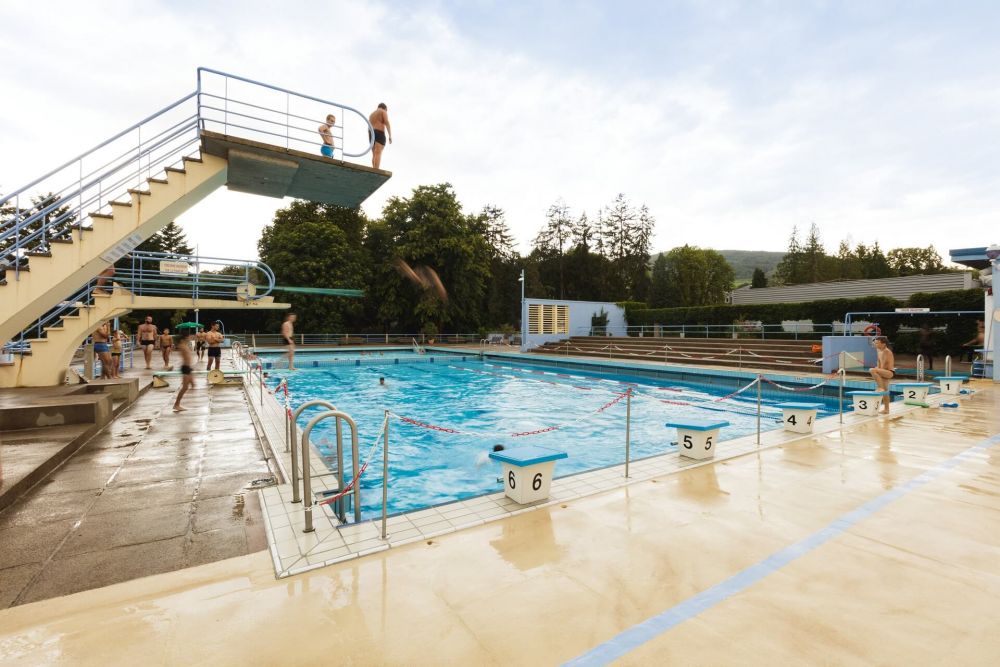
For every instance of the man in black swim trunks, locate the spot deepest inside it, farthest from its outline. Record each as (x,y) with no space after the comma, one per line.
(380,126)
(147,339)
(214,339)
(187,361)
(288,335)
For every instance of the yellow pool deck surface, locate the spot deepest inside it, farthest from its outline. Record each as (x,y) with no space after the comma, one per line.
(878,543)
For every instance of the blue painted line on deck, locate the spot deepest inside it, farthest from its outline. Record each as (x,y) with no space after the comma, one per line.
(637,635)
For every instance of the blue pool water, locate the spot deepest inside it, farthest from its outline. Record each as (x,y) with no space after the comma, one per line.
(488,403)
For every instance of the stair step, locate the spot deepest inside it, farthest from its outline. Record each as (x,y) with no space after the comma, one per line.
(121,203)
(60,240)
(136,191)
(23,269)
(95,214)
(193,159)
(161,181)
(39,253)
(177,170)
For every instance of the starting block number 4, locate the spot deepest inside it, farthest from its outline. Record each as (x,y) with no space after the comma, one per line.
(792,419)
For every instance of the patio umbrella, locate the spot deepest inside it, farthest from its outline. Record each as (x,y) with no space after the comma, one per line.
(189,325)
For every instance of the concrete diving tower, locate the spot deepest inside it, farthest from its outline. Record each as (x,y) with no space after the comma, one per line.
(272,171)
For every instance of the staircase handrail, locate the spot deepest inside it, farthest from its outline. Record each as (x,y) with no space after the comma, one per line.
(88,190)
(144,282)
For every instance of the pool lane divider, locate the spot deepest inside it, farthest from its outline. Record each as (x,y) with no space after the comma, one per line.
(650,629)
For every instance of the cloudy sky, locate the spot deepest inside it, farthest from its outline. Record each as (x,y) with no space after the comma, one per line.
(733,121)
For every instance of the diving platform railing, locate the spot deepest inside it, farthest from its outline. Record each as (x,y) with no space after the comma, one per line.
(166,274)
(57,205)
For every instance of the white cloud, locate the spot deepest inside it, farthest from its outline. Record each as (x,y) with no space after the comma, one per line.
(871,153)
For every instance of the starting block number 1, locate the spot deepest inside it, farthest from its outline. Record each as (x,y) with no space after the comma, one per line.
(688,444)
(791,418)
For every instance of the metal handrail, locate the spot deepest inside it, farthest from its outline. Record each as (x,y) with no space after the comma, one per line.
(292,435)
(371,134)
(307,498)
(84,189)
(141,281)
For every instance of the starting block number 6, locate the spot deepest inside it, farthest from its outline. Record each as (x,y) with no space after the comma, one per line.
(688,444)
(536,481)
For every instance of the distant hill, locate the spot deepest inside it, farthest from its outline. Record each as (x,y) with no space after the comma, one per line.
(745,261)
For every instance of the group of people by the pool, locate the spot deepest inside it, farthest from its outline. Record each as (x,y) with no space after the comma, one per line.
(193,342)
(381,132)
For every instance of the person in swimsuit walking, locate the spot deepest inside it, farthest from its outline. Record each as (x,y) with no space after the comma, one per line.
(326,133)
(199,343)
(380,126)
(187,361)
(166,344)
(288,335)
(884,370)
(103,350)
(117,337)
(214,339)
(147,339)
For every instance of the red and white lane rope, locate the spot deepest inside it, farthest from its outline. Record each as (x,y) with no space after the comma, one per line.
(798,389)
(361,471)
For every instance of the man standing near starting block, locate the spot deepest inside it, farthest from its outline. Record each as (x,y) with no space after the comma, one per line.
(214,339)
(884,370)
(147,339)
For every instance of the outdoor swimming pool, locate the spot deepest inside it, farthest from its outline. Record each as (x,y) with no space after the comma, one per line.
(449,411)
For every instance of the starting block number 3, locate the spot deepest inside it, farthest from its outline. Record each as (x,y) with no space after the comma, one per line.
(689,444)
(536,481)
(791,418)
(862,404)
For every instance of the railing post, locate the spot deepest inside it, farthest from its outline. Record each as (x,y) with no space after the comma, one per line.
(385,472)
(759,383)
(920,368)
(628,428)
(947,365)
(840,393)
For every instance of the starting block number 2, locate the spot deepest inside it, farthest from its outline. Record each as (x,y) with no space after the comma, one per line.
(791,418)
(689,444)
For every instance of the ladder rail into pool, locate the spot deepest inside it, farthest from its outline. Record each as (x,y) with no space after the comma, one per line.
(307,498)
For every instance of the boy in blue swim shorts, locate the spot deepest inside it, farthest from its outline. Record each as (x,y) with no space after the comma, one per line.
(326,132)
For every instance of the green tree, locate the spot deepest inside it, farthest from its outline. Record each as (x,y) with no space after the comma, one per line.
(170,239)
(659,290)
(873,262)
(695,277)
(316,245)
(554,238)
(625,234)
(791,269)
(503,292)
(759,278)
(915,261)
(848,263)
(429,229)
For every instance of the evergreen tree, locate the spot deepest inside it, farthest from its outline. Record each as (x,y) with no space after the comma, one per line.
(625,235)
(790,270)
(848,263)
(170,239)
(758,281)
(555,238)
(812,257)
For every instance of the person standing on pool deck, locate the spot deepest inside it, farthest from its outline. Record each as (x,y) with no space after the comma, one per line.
(116,352)
(288,335)
(326,132)
(166,344)
(103,350)
(199,343)
(380,126)
(147,339)
(884,370)
(187,361)
(214,339)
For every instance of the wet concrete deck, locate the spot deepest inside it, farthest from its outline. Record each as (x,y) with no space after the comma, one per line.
(909,580)
(154,491)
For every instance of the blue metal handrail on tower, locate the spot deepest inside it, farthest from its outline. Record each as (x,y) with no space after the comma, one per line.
(67,195)
(167,274)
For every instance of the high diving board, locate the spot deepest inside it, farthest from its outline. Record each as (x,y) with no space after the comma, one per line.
(273,171)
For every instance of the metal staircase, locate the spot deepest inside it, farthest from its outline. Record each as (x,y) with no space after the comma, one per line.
(62,229)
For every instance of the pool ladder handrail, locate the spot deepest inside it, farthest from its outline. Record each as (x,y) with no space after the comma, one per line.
(306,497)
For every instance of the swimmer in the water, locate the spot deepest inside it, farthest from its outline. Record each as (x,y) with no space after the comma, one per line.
(381,381)
(484,457)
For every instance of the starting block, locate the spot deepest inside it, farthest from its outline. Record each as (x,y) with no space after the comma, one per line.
(697,438)
(952,384)
(527,472)
(914,393)
(866,402)
(799,417)
(214,376)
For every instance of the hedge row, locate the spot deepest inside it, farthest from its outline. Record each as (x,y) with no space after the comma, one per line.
(958,329)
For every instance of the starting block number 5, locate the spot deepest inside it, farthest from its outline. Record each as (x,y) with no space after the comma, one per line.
(688,444)
(791,418)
